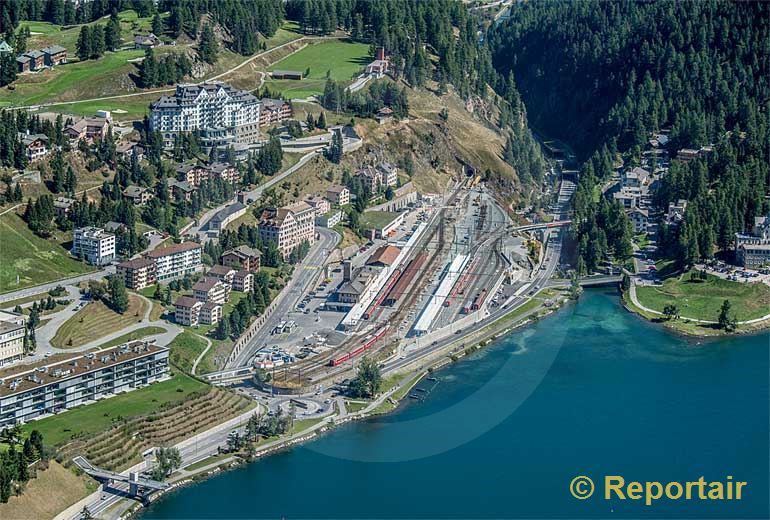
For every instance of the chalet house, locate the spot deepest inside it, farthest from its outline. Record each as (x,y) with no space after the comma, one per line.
(636,178)
(5,48)
(675,213)
(272,111)
(138,194)
(149,41)
(180,189)
(35,146)
(88,128)
(31,61)
(126,150)
(383,115)
(242,257)
(54,55)
(62,206)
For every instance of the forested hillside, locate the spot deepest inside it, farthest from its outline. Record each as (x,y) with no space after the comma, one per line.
(603,75)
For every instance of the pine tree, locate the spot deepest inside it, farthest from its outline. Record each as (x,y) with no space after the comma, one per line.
(84,43)
(157,25)
(208,47)
(97,41)
(112,37)
(118,294)
(71,181)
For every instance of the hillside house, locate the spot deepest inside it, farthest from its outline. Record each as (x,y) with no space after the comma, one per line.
(147,41)
(242,257)
(54,55)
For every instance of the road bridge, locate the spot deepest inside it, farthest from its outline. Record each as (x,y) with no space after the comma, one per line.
(541,225)
(589,281)
(136,483)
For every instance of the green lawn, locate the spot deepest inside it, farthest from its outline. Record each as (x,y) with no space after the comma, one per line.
(207,461)
(341,59)
(71,81)
(93,418)
(33,259)
(702,300)
(376,219)
(356,406)
(123,109)
(185,349)
(304,424)
(287,32)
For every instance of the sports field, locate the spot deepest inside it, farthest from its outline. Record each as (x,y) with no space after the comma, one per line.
(342,60)
(34,259)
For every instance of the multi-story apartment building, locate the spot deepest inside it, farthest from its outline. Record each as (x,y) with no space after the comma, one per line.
(216,107)
(12,327)
(288,226)
(371,178)
(210,313)
(94,245)
(339,195)
(195,174)
(176,260)
(243,281)
(753,249)
(138,273)
(388,174)
(79,380)
(212,290)
(187,310)
(319,204)
(273,111)
(221,272)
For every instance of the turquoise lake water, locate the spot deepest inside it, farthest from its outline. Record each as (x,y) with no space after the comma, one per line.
(591,390)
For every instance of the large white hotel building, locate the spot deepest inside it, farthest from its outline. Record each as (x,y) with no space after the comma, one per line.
(223,114)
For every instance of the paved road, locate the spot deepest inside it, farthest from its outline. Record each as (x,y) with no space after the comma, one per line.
(304,273)
(201,229)
(45,333)
(44,288)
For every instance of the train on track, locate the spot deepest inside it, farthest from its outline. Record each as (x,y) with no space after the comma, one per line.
(369,341)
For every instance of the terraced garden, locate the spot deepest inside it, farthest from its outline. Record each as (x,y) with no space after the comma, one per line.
(122,445)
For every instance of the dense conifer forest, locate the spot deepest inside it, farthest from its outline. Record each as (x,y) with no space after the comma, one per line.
(603,76)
